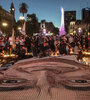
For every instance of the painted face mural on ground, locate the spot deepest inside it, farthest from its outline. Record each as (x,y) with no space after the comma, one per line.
(50,78)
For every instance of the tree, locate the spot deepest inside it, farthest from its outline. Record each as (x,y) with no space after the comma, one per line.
(56,31)
(32,25)
(23,8)
(1,7)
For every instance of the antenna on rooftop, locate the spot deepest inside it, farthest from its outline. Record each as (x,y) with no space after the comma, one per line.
(80,10)
(87,2)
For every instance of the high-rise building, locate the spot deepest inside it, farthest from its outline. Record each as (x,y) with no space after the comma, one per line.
(68,17)
(12,9)
(86,14)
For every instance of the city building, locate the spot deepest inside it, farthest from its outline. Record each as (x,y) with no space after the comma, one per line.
(71,28)
(86,15)
(79,27)
(46,27)
(43,27)
(12,9)
(7,21)
(68,17)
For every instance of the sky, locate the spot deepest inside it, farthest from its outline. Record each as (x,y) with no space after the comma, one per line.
(50,10)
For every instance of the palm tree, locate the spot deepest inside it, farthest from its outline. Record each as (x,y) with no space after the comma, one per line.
(23,8)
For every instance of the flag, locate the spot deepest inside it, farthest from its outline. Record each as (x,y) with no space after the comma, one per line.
(22,31)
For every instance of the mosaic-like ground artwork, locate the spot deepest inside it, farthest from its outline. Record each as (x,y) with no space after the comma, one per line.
(50,78)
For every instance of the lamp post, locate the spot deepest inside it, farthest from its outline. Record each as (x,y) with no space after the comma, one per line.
(21,18)
(80,31)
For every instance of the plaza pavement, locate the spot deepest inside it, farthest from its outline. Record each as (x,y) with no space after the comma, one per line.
(49,78)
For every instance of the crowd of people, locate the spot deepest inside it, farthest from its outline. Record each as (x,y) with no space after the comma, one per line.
(44,45)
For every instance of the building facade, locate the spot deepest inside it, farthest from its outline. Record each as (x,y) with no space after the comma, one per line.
(12,9)
(46,27)
(86,15)
(7,21)
(68,17)
(79,27)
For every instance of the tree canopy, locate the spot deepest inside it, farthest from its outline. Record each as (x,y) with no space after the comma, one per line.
(23,8)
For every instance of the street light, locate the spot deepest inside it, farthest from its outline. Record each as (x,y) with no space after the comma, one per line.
(74,32)
(21,18)
(44,31)
(4,24)
(19,28)
(80,30)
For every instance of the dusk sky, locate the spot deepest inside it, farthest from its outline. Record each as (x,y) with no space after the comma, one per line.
(47,9)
